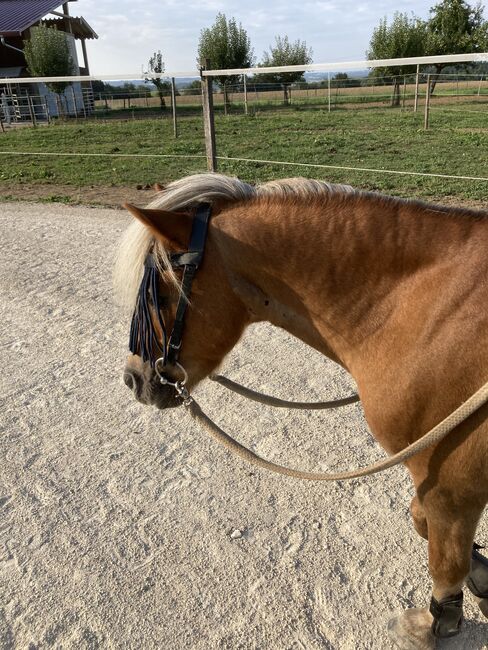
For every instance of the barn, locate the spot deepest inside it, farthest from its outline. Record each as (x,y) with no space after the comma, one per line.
(17,19)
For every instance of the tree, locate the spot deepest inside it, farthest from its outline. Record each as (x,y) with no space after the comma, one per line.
(156,66)
(47,55)
(227,45)
(285,53)
(193,88)
(343,80)
(98,86)
(455,27)
(405,37)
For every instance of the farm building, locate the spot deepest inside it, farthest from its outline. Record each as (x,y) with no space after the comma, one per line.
(17,19)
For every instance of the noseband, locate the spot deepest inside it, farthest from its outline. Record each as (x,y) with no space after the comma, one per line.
(143,340)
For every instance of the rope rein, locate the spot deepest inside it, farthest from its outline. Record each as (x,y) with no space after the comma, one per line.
(269,400)
(434,436)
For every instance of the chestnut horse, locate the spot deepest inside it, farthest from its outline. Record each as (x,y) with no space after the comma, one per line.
(396,291)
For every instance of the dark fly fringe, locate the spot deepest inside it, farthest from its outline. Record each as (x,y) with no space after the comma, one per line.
(143,340)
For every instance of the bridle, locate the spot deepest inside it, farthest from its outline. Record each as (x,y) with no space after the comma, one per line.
(143,339)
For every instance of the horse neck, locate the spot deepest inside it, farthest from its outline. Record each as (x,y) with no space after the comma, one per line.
(329,271)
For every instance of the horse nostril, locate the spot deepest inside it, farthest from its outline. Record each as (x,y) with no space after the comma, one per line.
(130,380)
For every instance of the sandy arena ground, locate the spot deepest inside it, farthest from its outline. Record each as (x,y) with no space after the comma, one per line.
(117,522)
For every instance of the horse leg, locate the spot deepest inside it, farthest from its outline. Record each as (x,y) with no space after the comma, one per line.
(451,528)
(477,580)
(412,629)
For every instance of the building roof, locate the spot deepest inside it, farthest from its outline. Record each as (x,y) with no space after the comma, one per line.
(18,15)
(79,27)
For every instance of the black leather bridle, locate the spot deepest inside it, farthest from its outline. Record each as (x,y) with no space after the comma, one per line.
(143,340)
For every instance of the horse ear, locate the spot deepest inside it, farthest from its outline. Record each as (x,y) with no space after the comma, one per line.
(173,227)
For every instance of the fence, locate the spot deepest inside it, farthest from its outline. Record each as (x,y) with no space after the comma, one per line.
(408,92)
(21,107)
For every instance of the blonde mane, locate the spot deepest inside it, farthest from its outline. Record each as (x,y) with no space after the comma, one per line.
(187,193)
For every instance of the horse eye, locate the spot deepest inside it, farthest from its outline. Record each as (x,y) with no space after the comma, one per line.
(163,301)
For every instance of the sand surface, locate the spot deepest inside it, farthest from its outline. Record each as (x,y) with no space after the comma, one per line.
(117,522)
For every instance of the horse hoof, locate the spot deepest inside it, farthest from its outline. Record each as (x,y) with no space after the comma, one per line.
(411,630)
(483,605)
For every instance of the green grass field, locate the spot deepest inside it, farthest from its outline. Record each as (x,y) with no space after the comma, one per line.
(457,144)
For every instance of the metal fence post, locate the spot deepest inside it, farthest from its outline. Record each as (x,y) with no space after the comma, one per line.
(245,93)
(32,111)
(46,106)
(427,104)
(416,100)
(74,101)
(208,119)
(173,106)
(328,90)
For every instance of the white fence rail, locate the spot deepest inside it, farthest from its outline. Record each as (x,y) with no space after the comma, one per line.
(477,57)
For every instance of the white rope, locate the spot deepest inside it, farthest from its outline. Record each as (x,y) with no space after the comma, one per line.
(357,169)
(110,155)
(456,110)
(252,160)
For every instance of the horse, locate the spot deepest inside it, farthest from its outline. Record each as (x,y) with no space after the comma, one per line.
(394,290)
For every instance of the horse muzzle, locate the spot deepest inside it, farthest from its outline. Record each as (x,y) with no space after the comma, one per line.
(150,391)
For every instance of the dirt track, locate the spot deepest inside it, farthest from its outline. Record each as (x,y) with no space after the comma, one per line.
(116,520)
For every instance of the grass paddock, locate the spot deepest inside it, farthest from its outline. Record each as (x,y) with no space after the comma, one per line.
(455,144)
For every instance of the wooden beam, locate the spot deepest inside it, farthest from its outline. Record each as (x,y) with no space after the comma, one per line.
(67,19)
(85,58)
(208,119)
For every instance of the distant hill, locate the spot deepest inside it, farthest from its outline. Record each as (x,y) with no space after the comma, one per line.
(320,76)
(184,82)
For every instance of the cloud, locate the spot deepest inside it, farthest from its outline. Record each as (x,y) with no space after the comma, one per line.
(131,31)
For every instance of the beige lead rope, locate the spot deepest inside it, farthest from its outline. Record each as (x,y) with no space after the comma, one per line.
(433,436)
(281,403)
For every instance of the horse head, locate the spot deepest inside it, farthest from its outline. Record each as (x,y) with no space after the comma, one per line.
(214,317)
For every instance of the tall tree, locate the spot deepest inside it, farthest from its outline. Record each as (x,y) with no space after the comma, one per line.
(455,27)
(47,55)
(285,53)
(404,37)
(227,45)
(156,65)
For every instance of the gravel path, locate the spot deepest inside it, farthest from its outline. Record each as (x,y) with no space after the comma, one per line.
(118,523)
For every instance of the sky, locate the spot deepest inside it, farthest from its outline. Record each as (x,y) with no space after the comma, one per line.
(131,30)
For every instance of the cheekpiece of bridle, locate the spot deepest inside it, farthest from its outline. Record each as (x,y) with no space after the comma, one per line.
(143,340)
